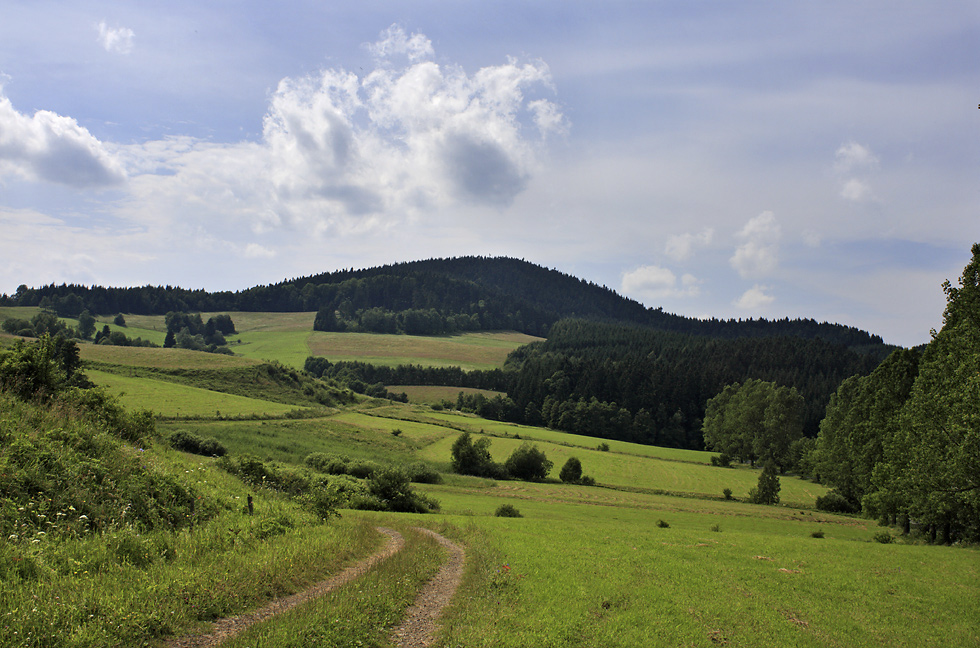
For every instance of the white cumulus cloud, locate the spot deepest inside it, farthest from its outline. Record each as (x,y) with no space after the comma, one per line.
(51,147)
(117,40)
(754,298)
(681,247)
(758,255)
(654,282)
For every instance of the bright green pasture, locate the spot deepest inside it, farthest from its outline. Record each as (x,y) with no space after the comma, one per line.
(288,347)
(645,473)
(173,400)
(435,394)
(18,312)
(585,575)
(483,350)
(289,441)
(475,423)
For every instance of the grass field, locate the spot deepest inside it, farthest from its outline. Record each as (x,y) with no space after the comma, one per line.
(583,575)
(174,400)
(486,350)
(160,358)
(651,556)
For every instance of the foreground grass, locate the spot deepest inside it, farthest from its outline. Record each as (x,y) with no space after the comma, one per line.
(127,588)
(586,575)
(361,613)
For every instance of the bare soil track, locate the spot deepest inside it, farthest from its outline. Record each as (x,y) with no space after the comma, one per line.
(416,631)
(418,628)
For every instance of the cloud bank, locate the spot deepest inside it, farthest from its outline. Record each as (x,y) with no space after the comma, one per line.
(53,148)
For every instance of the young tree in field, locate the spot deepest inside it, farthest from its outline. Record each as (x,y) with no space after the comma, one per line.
(767,490)
(86,325)
(571,472)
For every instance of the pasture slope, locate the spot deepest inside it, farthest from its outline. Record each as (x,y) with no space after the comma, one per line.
(654,554)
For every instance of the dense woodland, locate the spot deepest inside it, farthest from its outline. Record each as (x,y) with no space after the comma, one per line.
(633,383)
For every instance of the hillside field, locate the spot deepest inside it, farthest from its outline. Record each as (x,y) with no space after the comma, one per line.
(653,554)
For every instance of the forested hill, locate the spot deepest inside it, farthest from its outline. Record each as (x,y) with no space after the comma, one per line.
(439,296)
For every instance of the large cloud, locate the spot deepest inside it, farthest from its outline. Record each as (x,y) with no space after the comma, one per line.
(408,135)
(51,147)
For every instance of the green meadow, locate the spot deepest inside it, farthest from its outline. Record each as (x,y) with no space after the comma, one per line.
(482,350)
(652,555)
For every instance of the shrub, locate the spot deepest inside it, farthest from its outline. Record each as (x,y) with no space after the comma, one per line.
(603,447)
(323,502)
(396,432)
(727,493)
(422,473)
(571,472)
(834,502)
(189,442)
(721,461)
(269,527)
(362,469)
(528,463)
(663,524)
(817,534)
(507,510)
(392,488)
(884,537)
(325,463)
(716,528)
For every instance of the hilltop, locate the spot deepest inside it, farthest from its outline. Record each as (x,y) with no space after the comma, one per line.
(440,296)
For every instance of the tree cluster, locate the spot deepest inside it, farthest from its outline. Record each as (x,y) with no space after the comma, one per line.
(526,463)
(189,331)
(903,444)
(755,421)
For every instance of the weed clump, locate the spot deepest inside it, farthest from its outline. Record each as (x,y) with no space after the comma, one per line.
(817,534)
(507,510)
(663,524)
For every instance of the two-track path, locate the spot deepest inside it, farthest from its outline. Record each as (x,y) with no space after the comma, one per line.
(416,631)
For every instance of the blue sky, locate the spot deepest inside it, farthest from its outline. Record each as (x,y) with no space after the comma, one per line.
(718,159)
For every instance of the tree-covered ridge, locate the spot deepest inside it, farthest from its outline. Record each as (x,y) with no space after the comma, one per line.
(442,295)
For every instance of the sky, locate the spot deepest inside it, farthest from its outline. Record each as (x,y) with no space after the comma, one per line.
(715,159)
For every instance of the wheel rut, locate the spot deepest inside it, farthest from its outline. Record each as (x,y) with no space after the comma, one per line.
(228,627)
(419,626)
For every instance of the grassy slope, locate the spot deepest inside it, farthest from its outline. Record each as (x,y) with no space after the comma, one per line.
(590,566)
(174,400)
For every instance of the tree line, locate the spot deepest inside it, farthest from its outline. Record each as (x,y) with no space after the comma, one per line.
(903,443)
